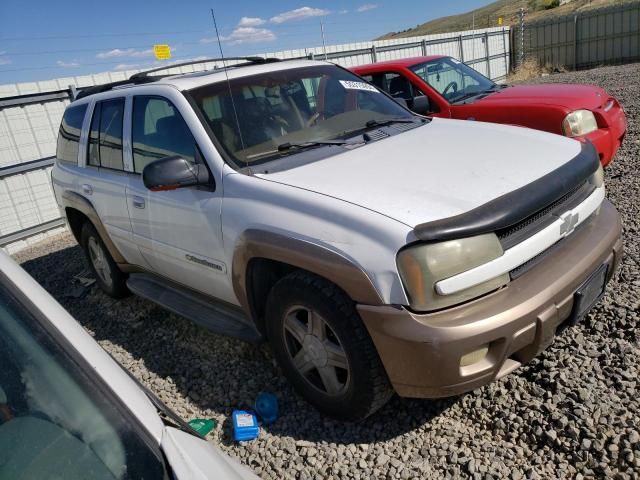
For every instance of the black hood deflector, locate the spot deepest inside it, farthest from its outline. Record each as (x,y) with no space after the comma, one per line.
(513,207)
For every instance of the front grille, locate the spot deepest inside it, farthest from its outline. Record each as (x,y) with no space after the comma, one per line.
(529,264)
(515,234)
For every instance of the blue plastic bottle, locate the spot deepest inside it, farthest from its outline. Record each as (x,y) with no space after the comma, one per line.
(245,425)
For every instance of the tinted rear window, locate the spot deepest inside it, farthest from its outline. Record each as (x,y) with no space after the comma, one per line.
(69,134)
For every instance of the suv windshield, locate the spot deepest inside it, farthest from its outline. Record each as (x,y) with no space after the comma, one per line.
(56,419)
(298,106)
(453,79)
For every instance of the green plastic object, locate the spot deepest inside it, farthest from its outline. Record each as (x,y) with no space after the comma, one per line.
(202,425)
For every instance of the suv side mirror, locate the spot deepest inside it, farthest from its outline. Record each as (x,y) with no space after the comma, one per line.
(171,173)
(421,105)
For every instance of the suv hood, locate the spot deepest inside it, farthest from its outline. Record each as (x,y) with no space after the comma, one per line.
(572,97)
(435,171)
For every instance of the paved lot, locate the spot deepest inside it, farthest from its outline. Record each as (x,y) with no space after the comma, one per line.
(573,412)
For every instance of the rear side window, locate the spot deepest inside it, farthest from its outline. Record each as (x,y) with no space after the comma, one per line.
(69,134)
(105,135)
(159,131)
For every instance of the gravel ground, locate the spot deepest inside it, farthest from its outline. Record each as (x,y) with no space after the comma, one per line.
(574,412)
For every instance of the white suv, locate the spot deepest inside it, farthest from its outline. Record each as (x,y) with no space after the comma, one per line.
(376,250)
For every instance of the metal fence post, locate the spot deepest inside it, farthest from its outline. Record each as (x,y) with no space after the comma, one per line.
(424,47)
(521,56)
(486,51)
(460,47)
(504,54)
(374,57)
(575,41)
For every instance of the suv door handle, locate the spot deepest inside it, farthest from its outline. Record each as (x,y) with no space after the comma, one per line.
(138,202)
(86,188)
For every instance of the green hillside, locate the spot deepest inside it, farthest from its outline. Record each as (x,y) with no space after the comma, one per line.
(488,15)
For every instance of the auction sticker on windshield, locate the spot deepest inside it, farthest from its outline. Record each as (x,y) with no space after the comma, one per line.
(351,85)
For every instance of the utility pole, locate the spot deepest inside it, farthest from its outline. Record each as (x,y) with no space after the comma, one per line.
(324,45)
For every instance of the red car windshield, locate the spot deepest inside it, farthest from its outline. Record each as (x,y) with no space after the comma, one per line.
(452,79)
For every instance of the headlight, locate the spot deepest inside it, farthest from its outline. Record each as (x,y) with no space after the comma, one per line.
(423,265)
(579,123)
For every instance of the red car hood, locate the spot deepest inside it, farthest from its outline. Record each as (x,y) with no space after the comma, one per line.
(569,96)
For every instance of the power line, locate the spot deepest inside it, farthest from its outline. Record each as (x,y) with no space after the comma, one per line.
(98,35)
(225,29)
(148,46)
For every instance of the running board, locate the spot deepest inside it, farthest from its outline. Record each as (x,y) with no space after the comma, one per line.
(217,317)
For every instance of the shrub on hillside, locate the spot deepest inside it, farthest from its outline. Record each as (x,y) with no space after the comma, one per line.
(543,4)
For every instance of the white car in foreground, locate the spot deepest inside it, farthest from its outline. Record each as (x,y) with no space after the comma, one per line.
(69,411)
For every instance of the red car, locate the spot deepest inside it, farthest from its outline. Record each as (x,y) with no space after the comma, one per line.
(444,87)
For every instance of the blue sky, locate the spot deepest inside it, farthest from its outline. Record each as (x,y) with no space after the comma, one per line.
(44,39)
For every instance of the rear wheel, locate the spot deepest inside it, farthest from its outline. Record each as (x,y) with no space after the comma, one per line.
(109,277)
(324,349)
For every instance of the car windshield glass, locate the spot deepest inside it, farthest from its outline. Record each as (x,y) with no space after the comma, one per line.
(55,421)
(292,106)
(452,79)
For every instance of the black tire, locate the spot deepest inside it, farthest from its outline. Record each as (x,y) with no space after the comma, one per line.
(360,389)
(111,280)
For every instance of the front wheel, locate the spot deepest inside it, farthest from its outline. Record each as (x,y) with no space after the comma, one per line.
(324,348)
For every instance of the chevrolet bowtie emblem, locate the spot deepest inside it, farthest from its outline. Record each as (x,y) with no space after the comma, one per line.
(569,222)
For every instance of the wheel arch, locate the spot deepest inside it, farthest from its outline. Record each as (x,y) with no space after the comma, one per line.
(78,210)
(261,258)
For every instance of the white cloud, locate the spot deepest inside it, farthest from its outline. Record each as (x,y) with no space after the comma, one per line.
(70,64)
(366,7)
(242,35)
(343,12)
(127,52)
(251,22)
(299,14)
(3,59)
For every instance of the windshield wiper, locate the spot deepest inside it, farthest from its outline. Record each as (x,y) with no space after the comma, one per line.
(471,95)
(168,416)
(494,88)
(388,121)
(283,147)
(311,143)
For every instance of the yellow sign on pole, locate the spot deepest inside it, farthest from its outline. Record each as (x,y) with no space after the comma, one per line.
(499,20)
(162,52)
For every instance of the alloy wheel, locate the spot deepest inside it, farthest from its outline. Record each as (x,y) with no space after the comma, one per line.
(316,351)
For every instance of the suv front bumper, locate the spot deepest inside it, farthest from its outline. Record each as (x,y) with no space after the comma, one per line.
(422,352)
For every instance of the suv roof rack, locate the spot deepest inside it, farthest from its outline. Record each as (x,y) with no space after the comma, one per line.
(249,60)
(85,92)
(145,77)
